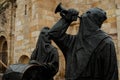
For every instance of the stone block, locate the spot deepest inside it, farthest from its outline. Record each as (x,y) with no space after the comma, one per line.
(96,0)
(106,27)
(118,12)
(18,43)
(112,31)
(35,33)
(89,1)
(110,12)
(82,8)
(111,19)
(20,37)
(114,25)
(118,30)
(117,2)
(95,4)
(118,6)
(33,28)
(118,18)
(18,23)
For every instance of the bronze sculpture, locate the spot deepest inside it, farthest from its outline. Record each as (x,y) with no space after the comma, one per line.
(89,55)
(43,64)
(46,56)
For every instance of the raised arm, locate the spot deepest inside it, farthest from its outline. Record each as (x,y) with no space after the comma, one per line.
(58,31)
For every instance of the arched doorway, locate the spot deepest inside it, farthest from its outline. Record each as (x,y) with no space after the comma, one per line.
(24,59)
(3,54)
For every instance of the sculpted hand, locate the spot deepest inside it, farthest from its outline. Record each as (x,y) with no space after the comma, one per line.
(70,15)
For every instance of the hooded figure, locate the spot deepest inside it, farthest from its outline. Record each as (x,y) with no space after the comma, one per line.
(90,54)
(46,56)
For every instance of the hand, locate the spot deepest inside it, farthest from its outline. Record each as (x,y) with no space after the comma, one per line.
(70,15)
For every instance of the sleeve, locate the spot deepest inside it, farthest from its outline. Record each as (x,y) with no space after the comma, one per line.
(51,68)
(58,34)
(34,54)
(110,69)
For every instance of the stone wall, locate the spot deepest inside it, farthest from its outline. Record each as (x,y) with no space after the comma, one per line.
(6,29)
(33,15)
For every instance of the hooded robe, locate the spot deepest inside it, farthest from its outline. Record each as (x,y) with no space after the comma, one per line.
(46,56)
(90,54)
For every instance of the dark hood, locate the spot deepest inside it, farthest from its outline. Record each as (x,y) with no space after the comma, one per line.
(89,36)
(91,21)
(43,47)
(90,24)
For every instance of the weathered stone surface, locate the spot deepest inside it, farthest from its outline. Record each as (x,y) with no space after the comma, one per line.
(31,16)
(118,12)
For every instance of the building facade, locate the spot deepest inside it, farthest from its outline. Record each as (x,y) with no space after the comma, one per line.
(22,20)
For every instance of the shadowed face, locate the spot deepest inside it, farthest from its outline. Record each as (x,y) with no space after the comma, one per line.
(44,34)
(96,15)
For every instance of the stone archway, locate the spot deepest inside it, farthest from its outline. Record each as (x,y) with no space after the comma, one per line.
(3,54)
(24,59)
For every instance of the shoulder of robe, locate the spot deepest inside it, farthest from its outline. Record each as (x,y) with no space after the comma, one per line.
(108,40)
